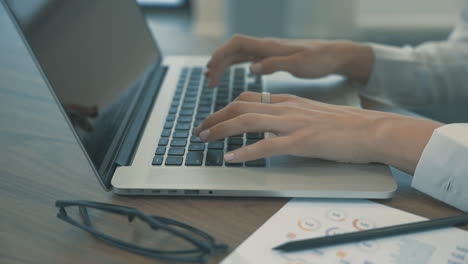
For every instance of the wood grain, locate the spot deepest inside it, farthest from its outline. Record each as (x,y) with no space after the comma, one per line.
(40,163)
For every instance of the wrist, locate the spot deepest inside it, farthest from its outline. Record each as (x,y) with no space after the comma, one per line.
(355,60)
(400,140)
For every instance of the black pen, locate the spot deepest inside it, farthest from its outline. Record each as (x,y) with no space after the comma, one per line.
(372,233)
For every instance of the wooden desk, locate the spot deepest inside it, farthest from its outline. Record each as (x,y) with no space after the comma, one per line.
(41,163)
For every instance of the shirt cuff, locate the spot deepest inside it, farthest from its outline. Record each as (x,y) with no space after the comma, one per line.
(442,171)
(389,69)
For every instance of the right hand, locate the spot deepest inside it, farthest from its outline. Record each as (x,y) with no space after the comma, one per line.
(308,128)
(302,58)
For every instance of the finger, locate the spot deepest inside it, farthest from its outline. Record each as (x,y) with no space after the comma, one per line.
(286,99)
(233,110)
(214,74)
(244,46)
(257,97)
(263,148)
(250,122)
(277,63)
(248,46)
(217,72)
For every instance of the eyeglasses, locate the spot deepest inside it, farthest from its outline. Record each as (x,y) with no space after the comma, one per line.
(196,247)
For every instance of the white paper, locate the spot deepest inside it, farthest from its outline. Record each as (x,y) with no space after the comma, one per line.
(308,218)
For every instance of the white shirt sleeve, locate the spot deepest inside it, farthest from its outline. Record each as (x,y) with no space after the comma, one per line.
(434,72)
(442,171)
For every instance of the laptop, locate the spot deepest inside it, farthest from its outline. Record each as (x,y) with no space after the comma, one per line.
(133,110)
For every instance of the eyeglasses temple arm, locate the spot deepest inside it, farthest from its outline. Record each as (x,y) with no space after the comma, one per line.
(85,216)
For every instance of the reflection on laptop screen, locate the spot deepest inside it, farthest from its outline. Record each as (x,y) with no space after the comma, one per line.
(95,54)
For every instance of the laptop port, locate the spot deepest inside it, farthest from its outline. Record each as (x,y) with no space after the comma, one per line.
(172,192)
(191,192)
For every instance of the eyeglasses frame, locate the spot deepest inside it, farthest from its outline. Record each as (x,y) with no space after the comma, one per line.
(205,248)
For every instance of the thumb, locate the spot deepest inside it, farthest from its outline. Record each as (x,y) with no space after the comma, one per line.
(274,64)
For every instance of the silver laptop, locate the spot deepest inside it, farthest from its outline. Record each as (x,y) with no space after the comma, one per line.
(133,110)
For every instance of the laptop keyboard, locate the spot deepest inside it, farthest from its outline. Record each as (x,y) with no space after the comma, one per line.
(192,103)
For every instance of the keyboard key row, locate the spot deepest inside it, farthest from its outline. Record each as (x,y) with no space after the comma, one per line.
(195,158)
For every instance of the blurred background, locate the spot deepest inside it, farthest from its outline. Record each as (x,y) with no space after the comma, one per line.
(198,26)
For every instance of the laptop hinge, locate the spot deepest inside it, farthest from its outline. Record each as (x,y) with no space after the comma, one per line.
(138,121)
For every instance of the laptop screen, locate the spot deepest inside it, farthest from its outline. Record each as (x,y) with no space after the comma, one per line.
(96,55)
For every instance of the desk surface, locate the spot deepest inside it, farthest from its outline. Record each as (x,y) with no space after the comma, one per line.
(41,163)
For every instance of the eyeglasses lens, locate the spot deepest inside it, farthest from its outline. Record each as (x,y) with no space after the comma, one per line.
(136,232)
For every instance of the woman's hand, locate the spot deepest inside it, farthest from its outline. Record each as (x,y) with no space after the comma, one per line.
(302,58)
(313,129)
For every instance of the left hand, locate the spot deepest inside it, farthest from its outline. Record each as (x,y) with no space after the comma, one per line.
(312,129)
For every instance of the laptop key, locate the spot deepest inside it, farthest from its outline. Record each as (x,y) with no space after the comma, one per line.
(174,160)
(205,103)
(195,139)
(171,117)
(173,110)
(218,107)
(256,163)
(178,142)
(191,93)
(255,135)
(166,133)
(238,89)
(222,102)
(237,164)
(168,125)
(253,87)
(233,147)
(160,150)
(214,157)
(185,119)
(197,122)
(182,126)
(251,141)
(186,112)
(206,98)
(176,151)
(216,145)
(197,147)
(157,160)
(235,141)
(194,158)
(163,141)
(190,100)
(180,134)
(204,109)
(202,116)
(188,105)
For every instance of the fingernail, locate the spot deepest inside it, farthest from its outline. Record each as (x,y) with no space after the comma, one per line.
(204,134)
(229,157)
(256,68)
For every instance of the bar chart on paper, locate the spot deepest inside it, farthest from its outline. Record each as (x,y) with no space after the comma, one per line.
(309,218)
